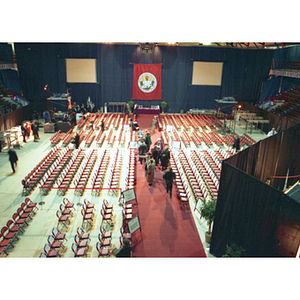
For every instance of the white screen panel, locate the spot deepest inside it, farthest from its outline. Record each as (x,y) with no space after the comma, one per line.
(207,73)
(81,70)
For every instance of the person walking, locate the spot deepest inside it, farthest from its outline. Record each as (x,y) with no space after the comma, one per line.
(13,158)
(24,133)
(165,157)
(236,144)
(169,177)
(150,171)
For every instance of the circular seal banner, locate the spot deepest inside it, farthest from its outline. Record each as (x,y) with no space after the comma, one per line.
(147,82)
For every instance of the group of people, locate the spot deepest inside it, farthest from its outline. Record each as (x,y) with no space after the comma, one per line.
(26,130)
(157,157)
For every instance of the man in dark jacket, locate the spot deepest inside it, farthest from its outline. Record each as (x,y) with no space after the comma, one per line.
(13,158)
(169,177)
(142,151)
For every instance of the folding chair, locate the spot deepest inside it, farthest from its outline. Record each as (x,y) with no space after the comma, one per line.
(78,252)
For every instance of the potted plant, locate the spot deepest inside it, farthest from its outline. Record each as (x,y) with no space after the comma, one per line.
(234,250)
(163,105)
(207,211)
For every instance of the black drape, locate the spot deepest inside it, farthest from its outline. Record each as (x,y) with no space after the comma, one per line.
(44,63)
(257,216)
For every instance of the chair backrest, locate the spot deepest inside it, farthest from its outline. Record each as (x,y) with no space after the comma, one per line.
(27,200)
(19,211)
(58,213)
(23,205)
(55,231)
(62,207)
(42,255)
(9,223)
(50,239)
(98,246)
(65,200)
(47,248)
(15,217)
(76,239)
(74,247)
(80,231)
(100,237)
(3,230)
(83,212)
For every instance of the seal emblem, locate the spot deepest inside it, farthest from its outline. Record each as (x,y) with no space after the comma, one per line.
(147,82)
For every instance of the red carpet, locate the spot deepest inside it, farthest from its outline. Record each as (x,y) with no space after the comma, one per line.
(167,229)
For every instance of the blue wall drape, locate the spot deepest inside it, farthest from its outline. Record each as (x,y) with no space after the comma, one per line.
(44,63)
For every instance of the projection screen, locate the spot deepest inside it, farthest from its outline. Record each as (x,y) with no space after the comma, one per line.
(207,73)
(81,70)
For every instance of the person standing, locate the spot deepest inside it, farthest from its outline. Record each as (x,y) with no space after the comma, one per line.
(24,133)
(169,177)
(150,171)
(153,123)
(236,144)
(77,141)
(142,151)
(272,132)
(148,139)
(165,157)
(13,158)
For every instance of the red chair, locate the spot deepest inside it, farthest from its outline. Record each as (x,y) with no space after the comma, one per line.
(125,235)
(61,218)
(65,211)
(81,243)
(68,204)
(89,204)
(102,251)
(30,204)
(18,220)
(27,210)
(86,217)
(105,234)
(13,227)
(4,243)
(82,234)
(53,243)
(104,242)
(50,252)
(22,214)
(7,235)
(58,236)
(107,205)
(106,217)
(78,252)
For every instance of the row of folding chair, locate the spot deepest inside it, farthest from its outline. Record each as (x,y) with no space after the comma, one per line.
(97,178)
(57,139)
(55,169)
(213,163)
(130,178)
(117,168)
(67,175)
(69,136)
(14,226)
(191,173)
(55,135)
(64,212)
(89,138)
(84,172)
(34,177)
(55,242)
(208,178)
(181,188)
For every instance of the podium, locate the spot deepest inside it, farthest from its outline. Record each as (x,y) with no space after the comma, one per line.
(49,128)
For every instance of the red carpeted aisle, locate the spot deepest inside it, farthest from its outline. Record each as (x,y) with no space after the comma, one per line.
(167,229)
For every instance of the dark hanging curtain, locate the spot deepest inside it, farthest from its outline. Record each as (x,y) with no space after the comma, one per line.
(44,63)
(250,212)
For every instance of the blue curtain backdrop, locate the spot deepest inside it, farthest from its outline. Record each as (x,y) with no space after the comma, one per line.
(244,70)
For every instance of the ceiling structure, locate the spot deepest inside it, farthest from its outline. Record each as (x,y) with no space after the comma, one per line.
(243,45)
